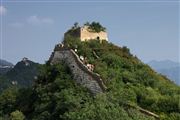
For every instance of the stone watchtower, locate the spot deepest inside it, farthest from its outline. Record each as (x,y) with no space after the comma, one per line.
(84,33)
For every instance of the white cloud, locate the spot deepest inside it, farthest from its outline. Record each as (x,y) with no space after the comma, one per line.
(36,20)
(3,10)
(32,20)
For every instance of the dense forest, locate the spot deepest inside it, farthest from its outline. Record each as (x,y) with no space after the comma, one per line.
(130,84)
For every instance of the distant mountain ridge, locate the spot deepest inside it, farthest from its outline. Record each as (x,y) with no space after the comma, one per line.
(5,66)
(164,64)
(167,67)
(22,74)
(5,63)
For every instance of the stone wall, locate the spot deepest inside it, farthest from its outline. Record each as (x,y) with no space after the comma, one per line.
(80,72)
(86,35)
(83,76)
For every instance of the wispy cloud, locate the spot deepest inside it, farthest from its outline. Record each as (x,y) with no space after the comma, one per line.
(3,10)
(32,20)
(36,20)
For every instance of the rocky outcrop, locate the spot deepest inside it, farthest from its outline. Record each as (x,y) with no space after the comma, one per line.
(80,72)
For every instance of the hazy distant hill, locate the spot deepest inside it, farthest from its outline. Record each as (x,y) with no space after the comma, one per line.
(5,66)
(21,75)
(169,68)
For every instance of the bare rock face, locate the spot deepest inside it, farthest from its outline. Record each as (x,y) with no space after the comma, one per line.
(80,72)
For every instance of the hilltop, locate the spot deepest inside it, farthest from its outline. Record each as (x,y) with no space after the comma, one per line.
(133,91)
(22,74)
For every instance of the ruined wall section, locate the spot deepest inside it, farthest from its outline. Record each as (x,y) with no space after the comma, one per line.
(80,72)
(87,35)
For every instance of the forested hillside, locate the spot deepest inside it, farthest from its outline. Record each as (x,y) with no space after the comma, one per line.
(22,74)
(130,84)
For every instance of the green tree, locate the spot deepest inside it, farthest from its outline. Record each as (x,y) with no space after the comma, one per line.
(96,27)
(17,115)
(76,25)
(8,100)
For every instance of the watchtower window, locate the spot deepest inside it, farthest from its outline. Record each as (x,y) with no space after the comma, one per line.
(98,38)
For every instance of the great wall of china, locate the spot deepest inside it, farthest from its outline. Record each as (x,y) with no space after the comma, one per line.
(82,75)
(80,72)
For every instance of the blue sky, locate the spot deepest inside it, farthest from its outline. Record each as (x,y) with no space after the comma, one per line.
(31,29)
